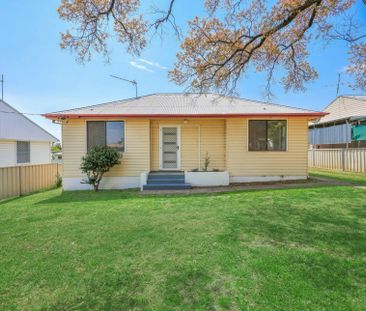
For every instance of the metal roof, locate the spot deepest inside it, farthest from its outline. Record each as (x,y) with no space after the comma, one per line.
(16,126)
(360,97)
(183,105)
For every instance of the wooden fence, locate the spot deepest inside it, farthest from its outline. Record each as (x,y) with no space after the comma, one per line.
(353,159)
(19,180)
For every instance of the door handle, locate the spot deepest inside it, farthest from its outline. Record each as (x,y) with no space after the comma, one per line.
(177,147)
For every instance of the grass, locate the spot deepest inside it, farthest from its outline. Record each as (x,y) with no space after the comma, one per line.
(289,249)
(353,178)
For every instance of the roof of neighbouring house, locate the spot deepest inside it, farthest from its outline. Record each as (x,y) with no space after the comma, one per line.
(344,107)
(184,105)
(16,126)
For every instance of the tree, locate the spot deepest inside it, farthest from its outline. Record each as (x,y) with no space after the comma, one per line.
(98,161)
(236,36)
(56,147)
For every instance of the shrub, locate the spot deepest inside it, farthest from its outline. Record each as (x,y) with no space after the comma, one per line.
(98,161)
(207,162)
(58,181)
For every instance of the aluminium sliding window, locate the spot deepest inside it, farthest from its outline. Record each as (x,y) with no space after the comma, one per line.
(267,135)
(106,133)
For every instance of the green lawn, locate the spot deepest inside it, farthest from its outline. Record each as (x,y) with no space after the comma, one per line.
(354,178)
(296,249)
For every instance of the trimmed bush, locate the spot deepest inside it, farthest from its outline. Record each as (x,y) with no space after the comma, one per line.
(98,161)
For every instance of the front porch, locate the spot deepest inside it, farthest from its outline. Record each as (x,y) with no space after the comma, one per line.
(166,180)
(178,151)
(183,144)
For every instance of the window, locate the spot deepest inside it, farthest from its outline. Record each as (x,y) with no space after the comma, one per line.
(106,133)
(267,135)
(23,152)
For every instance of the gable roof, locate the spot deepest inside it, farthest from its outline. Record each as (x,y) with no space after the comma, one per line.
(16,126)
(345,107)
(183,105)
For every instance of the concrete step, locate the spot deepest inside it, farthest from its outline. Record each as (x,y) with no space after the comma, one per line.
(166,176)
(166,173)
(165,180)
(168,186)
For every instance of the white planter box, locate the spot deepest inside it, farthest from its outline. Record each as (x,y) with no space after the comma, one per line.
(202,179)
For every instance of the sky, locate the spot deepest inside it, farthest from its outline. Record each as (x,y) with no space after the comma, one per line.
(40,77)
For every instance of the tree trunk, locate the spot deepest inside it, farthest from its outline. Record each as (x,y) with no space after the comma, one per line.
(96,187)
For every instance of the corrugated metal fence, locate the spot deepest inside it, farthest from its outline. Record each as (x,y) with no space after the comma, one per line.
(19,180)
(353,159)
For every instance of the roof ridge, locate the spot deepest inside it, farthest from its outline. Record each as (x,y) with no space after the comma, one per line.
(359,97)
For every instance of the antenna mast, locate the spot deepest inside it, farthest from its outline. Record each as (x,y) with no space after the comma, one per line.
(339,82)
(2,87)
(129,81)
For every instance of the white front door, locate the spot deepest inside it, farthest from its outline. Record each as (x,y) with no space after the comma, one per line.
(170,147)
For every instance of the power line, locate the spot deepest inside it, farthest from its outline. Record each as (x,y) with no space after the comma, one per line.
(26,113)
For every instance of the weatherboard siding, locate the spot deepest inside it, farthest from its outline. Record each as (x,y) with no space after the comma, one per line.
(135,160)
(225,142)
(241,162)
(198,137)
(8,154)
(213,144)
(40,153)
(73,146)
(344,107)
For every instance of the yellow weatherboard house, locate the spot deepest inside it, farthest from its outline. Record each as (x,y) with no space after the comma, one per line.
(175,141)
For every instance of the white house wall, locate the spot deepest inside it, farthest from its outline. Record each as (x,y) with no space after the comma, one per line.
(7,153)
(40,153)
(344,107)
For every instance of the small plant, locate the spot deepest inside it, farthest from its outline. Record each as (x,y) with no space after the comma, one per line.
(216,170)
(98,161)
(195,170)
(58,181)
(207,162)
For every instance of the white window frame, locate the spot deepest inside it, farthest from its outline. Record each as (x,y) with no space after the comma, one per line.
(268,119)
(112,120)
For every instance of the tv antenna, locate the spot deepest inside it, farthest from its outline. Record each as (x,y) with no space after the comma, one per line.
(129,81)
(338,84)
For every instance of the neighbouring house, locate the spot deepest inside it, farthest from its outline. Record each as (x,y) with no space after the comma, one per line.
(166,139)
(343,127)
(21,140)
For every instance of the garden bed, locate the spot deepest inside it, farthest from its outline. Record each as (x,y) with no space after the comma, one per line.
(207,178)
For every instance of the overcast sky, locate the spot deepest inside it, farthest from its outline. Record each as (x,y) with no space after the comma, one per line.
(40,77)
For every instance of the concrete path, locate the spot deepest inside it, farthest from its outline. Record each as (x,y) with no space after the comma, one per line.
(313,182)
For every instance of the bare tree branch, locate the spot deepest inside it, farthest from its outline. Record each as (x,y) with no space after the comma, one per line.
(237,36)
